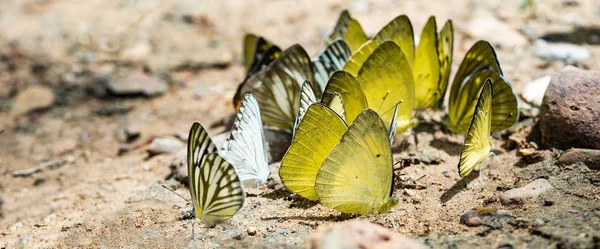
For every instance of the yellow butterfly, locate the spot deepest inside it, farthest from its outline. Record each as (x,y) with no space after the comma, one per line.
(349,30)
(353,98)
(356,176)
(386,79)
(477,142)
(480,63)
(430,62)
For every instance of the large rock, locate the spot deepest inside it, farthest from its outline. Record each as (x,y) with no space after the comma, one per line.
(32,98)
(591,158)
(570,111)
(532,190)
(359,234)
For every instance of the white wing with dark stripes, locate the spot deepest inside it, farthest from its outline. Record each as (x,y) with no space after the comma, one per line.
(215,187)
(331,59)
(307,98)
(245,148)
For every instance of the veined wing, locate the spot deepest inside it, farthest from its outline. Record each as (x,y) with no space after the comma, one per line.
(426,68)
(349,89)
(320,130)
(359,57)
(245,148)
(307,98)
(445,53)
(342,183)
(477,142)
(348,29)
(337,105)
(400,31)
(331,59)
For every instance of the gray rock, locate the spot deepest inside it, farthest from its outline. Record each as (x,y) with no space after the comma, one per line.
(570,111)
(518,196)
(591,158)
(561,51)
(137,83)
(31,99)
(359,234)
(168,145)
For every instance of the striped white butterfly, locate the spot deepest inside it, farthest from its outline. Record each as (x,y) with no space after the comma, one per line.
(331,59)
(307,98)
(216,190)
(245,148)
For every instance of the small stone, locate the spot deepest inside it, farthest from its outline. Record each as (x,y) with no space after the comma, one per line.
(485,26)
(591,158)
(531,156)
(15,227)
(561,51)
(31,99)
(138,52)
(532,190)
(431,157)
(251,231)
(359,234)
(137,83)
(534,91)
(479,216)
(570,111)
(168,145)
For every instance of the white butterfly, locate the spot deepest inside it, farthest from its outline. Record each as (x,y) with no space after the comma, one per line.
(245,148)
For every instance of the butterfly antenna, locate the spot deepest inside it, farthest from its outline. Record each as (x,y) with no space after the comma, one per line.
(383,99)
(503,121)
(172,191)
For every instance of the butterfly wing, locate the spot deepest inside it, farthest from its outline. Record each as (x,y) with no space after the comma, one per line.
(337,105)
(349,89)
(386,79)
(277,88)
(426,69)
(504,104)
(307,98)
(245,148)
(357,174)
(359,57)
(445,53)
(331,59)
(214,185)
(400,31)
(393,125)
(320,130)
(348,29)
(477,142)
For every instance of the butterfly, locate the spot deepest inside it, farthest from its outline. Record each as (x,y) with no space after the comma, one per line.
(331,59)
(349,30)
(356,175)
(385,79)
(215,187)
(480,63)
(277,87)
(430,62)
(258,52)
(307,98)
(246,148)
(476,147)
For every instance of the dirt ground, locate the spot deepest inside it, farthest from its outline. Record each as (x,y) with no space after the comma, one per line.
(101,199)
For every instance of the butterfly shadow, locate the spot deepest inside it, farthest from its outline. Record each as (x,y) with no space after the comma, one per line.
(450,147)
(459,186)
(334,218)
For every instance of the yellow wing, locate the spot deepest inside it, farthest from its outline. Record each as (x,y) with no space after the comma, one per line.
(360,56)
(356,176)
(399,31)
(386,79)
(426,70)
(320,130)
(354,100)
(331,59)
(337,105)
(445,53)
(348,29)
(277,87)
(255,47)
(505,110)
(479,57)
(477,142)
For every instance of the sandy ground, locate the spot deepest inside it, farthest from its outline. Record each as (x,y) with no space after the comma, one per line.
(100,199)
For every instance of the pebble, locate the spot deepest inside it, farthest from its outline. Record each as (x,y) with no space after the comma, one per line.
(478,216)
(31,99)
(137,83)
(518,196)
(168,145)
(534,91)
(251,231)
(561,51)
(485,26)
(359,234)
(591,158)
(570,110)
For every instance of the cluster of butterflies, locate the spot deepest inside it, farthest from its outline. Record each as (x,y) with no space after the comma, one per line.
(344,108)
